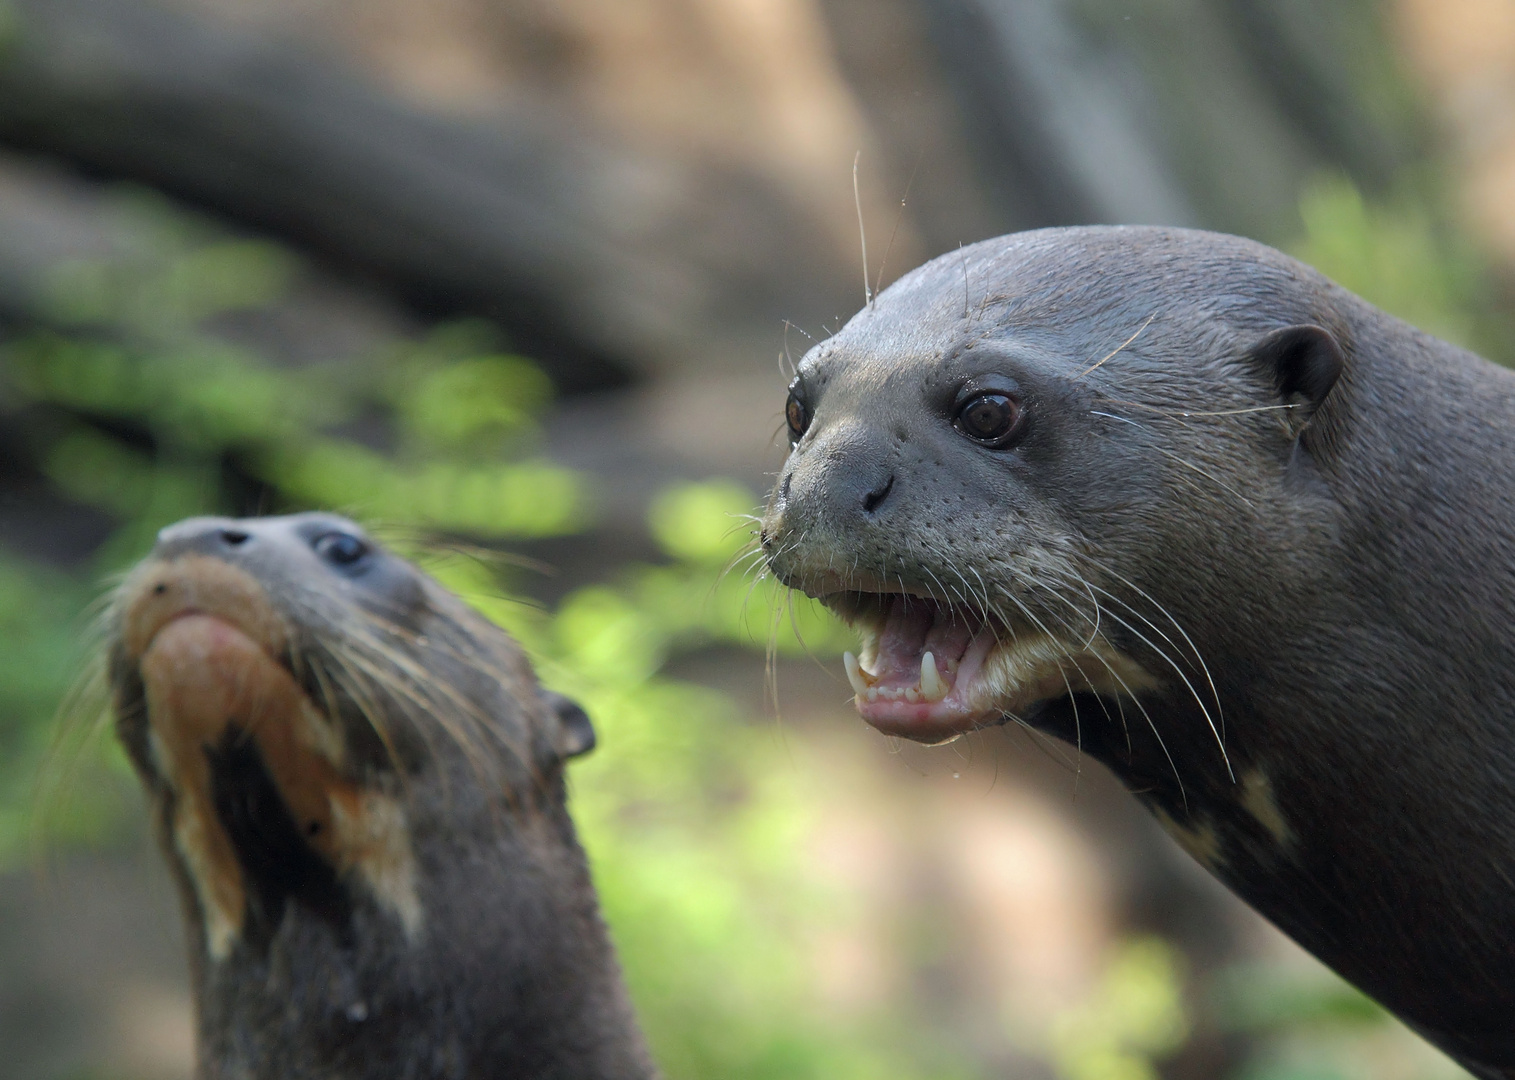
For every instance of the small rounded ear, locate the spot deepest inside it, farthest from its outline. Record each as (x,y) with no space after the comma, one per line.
(1303,361)
(574,734)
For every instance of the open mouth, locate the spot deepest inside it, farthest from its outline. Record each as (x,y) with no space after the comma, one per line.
(929,671)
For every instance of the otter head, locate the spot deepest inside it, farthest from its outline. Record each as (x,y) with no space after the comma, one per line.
(1013,471)
(359,785)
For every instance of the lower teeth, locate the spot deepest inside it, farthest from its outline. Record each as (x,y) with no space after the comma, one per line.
(931,688)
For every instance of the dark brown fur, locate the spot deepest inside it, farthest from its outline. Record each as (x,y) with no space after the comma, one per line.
(451,930)
(1318,572)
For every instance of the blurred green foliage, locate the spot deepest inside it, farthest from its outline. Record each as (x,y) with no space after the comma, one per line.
(1402,256)
(1250,997)
(125,400)
(1136,1014)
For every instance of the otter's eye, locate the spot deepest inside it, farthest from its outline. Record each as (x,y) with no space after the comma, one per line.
(798,415)
(989,418)
(339,548)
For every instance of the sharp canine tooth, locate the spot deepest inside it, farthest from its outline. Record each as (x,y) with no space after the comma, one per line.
(855,673)
(932,687)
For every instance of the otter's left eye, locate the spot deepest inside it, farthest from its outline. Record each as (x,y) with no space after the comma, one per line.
(340,548)
(989,418)
(797,413)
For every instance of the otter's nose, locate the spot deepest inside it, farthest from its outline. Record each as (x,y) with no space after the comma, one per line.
(856,490)
(202,536)
(875,496)
(844,480)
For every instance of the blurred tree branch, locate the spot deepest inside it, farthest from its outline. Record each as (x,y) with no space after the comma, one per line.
(547,229)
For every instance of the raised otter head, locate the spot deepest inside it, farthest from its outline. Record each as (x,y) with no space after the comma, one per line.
(359,786)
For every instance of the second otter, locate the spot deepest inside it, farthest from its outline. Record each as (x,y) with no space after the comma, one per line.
(1242,537)
(359,787)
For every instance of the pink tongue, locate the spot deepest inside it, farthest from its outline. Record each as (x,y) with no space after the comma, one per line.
(913,627)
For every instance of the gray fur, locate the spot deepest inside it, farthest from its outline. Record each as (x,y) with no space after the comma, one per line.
(1342,571)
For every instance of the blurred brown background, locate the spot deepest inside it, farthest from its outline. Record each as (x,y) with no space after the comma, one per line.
(653,200)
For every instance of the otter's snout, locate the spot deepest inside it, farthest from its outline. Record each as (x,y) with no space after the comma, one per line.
(838,492)
(214,536)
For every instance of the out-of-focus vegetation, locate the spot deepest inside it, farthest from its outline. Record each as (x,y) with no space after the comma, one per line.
(1136,1014)
(1404,257)
(694,815)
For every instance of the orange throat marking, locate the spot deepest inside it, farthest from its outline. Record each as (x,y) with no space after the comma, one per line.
(202,675)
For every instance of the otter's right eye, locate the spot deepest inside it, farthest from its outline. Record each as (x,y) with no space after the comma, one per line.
(989,418)
(339,548)
(797,413)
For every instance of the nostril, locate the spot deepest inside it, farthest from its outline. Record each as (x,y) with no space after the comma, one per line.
(784,486)
(233,537)
(872,500)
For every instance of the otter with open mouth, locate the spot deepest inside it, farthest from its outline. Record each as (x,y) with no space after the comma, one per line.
(1245,539)
(359,787)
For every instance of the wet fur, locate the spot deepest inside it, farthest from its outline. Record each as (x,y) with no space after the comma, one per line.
(1322,588)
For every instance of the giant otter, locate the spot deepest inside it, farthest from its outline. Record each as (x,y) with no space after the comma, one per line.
(359,787)
(1250,542)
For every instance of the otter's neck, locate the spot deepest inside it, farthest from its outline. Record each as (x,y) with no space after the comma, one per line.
(1375,826)
(507,972)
